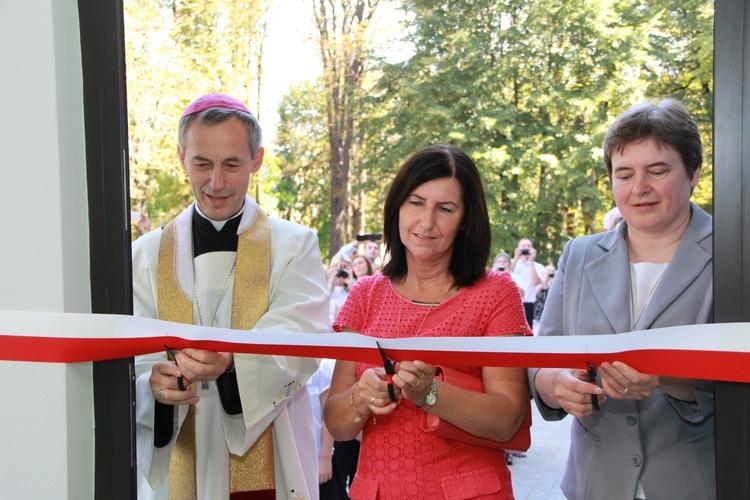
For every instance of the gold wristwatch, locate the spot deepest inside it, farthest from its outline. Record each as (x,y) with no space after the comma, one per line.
(431,398)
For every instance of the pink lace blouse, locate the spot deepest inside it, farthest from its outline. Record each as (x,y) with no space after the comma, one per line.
(398,460)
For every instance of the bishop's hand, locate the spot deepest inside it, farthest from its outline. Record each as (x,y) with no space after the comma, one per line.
(200,365)
(166,388)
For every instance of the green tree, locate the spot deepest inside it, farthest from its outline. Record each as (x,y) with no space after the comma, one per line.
(302,189)
(527,89)
(682,50)
(177,50)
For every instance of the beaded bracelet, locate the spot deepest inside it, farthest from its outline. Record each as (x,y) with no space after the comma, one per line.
(358,416)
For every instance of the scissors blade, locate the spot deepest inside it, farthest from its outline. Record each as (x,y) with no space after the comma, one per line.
(592,380)
(387,363)
(180,380)
(389,372)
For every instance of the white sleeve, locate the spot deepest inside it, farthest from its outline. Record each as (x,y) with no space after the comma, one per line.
(298,303)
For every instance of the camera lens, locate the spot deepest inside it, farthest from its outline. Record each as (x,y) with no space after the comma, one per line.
(341,273)
(551,275)
(501,268)
(525,251)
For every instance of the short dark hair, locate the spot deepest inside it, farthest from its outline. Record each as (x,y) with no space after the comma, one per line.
(667,122)
(214,116)
(471,248)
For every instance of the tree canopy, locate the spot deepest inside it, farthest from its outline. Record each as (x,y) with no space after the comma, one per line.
(527,89)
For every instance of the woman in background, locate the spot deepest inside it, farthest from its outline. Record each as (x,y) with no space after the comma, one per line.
(361,267)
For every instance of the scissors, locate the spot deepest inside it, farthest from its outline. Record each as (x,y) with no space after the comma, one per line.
(174,352)
(592,380)
(390,370)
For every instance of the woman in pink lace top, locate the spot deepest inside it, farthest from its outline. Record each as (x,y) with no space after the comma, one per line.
(437,235)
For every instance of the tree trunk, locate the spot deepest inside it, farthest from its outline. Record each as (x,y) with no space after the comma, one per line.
(341,47)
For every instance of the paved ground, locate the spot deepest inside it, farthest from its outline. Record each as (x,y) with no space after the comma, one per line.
(537,475)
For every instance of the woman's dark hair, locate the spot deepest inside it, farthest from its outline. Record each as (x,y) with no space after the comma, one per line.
(471,248)
(667,122)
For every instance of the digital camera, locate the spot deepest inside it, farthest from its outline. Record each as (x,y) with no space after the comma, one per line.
(341,273)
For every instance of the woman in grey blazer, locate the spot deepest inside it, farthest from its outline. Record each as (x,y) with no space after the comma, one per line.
(653,437)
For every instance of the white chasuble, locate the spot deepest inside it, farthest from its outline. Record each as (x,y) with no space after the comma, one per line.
(272,388)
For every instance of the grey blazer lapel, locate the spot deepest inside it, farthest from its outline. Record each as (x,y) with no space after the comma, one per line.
(688,262)
(609,278)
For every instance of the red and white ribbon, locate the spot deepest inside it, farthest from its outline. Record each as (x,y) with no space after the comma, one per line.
(713,351)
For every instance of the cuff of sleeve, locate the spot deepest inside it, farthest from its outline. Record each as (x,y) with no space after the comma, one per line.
(229,392)
(699,410)
(163,424)
(548,413)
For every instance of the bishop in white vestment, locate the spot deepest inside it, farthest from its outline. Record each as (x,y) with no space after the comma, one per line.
(224,263)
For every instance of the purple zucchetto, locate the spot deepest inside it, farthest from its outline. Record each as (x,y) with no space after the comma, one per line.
(210,101)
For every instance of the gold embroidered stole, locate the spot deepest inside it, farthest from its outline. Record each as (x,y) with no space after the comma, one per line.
(255,470)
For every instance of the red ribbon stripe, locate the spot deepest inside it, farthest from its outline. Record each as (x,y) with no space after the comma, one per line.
(712,352)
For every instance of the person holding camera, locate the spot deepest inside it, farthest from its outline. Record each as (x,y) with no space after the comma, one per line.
(529,274)
(371,244)
(340,280)
(502,264)
(372,253)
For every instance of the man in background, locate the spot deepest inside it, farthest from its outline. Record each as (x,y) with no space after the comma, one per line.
(372,252)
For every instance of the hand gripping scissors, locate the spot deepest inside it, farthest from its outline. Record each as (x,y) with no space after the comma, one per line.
(390,371)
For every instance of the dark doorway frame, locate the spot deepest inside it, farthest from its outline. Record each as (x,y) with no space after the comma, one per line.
(105,112)
(106,133)
(732,230)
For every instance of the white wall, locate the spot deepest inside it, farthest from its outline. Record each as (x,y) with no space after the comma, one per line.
(46,410)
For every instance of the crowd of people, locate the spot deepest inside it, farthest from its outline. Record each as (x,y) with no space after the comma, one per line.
(218,425)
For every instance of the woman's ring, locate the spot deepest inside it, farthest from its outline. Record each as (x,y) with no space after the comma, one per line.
(372,400)
(416,384)
(624,392)
(160,393)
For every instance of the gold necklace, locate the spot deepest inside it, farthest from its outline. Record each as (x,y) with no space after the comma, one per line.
(428,305)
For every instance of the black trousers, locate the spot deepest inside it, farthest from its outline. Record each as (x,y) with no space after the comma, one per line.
(344,464)
(528,309)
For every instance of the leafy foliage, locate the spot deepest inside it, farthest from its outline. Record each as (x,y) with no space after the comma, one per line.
(528,89)
(177,50)
(302,190)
